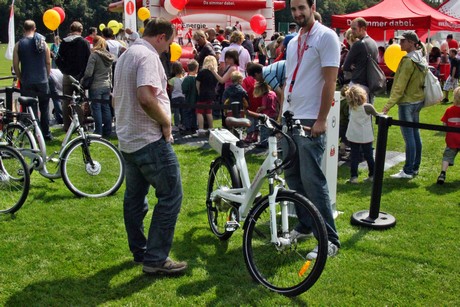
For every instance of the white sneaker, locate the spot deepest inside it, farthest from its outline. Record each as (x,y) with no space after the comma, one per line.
(353,180)
(402,174)
(295,235)
(369,179)
(332,250)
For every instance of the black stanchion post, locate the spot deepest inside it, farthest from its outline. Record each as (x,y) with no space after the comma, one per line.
(9,98)
(373,218)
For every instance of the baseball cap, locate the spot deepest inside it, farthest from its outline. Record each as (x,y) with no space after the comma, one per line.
(409,35)
(292,25)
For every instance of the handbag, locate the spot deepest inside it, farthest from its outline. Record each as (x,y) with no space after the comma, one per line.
(432,90)
(376,79)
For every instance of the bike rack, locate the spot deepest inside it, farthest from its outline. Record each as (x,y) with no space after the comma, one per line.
(374,218)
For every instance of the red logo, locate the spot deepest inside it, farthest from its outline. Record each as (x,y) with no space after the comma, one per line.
(333,102)
(332,152)
(130,8)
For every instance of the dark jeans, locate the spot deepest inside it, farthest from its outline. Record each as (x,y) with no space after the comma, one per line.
(40,90)
(189,119)
(367,151)
(306,177)
(154,165)
(177,111)
(67,89)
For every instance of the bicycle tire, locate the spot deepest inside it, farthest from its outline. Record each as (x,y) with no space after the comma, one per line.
(103,178)
(18,137)
(221,175)
(288,271)
(14,180)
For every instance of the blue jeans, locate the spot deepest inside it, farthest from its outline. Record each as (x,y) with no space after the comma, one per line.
(411,113)
(153,165)
(178,111)
(101,111)
(40,90)
(56,101)
(306,177)
(366,150)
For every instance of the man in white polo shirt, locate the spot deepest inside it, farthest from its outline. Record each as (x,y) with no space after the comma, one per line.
(312,64)
(143,112)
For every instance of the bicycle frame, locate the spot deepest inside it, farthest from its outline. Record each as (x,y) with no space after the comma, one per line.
(39,156)
(250,190)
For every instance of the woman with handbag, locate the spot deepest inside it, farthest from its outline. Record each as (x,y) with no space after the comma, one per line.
(98,79)
(407,92)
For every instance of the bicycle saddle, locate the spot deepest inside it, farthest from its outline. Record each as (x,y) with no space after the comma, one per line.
(28,101)
(233,122)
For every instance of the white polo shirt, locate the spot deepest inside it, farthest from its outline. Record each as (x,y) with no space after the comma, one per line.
(138,66)
(323,51)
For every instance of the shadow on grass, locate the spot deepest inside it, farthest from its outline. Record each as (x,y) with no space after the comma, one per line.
(88,291)
(447,188)
(226,273)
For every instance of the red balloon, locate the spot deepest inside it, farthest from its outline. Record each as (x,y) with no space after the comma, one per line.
(60,12)
(258,24)
(178,4)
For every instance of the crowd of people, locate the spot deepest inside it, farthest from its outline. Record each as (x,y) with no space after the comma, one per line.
(151,97)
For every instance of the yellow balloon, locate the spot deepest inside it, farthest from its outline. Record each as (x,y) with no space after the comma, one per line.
(51,19)
(392,56)
(101,26)
(143,13)
(141,30)
(113,24)
(120,25)
(176,51)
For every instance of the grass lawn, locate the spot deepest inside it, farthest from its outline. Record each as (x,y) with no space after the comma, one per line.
(60,250)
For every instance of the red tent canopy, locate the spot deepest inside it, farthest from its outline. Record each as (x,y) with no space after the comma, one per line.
(400,15)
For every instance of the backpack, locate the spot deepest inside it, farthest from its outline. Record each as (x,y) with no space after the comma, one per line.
(431,89)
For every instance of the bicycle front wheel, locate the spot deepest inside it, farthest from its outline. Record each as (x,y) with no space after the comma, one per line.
(14,180)
(221,211)
(92,168)
(285,268)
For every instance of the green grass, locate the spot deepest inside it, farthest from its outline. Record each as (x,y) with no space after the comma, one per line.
(5,67)
(60,250)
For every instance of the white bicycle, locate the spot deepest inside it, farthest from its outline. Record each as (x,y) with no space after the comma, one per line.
(272,257)
(89,165)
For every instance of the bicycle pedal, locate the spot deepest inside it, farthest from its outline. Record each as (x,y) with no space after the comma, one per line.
(232,226)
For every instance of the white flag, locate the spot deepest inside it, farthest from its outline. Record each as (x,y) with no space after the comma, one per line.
(11,41)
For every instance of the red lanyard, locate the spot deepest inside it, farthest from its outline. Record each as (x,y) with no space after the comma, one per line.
(301,48)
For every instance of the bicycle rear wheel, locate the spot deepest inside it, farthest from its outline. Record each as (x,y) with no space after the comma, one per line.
(18,137)
(14,180)
(92,168)
(284,269)
(220,211)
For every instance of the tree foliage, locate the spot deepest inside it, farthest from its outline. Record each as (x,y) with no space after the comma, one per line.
(90,13)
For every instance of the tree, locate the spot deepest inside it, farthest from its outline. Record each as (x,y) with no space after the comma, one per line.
(88,12)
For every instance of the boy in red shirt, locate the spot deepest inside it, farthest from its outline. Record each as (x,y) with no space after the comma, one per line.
(451,118)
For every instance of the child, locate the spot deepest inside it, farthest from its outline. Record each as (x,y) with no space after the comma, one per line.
(190,93)
(452,81)
(451,118)
(177,97)
(359,132)
(236,93)
(205,84)
(269,107)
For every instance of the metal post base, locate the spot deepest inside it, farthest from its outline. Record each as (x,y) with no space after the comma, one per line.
(383,221)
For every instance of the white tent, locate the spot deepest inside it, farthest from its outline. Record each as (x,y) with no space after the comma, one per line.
(451,8)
